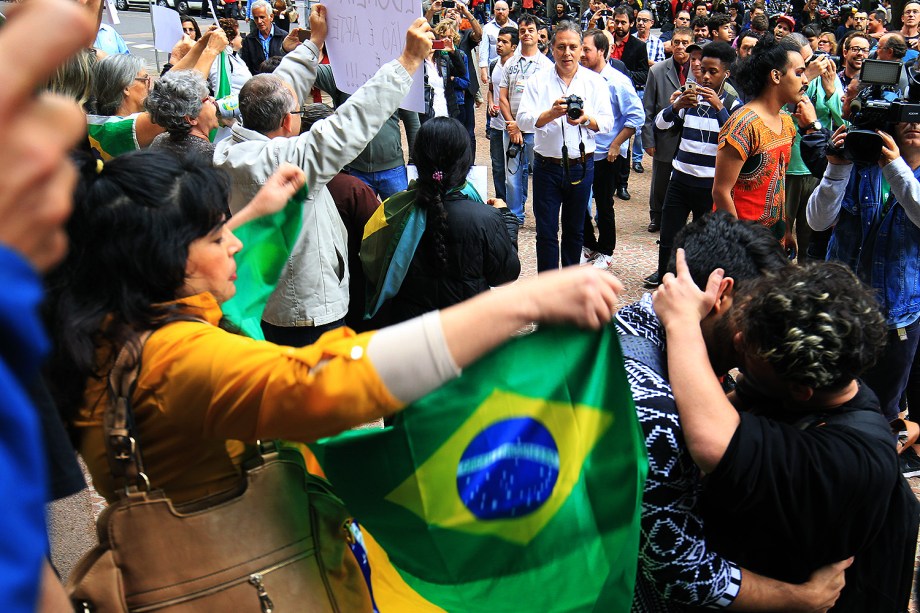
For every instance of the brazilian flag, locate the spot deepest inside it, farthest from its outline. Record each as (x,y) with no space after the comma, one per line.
(111,136)
(267,245)
(515,487)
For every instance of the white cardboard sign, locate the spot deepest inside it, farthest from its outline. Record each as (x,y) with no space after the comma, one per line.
(366,34)
(167,29)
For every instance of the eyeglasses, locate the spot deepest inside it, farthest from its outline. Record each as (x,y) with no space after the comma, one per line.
(863,50)
(302,111)
(643,20)
(146,79)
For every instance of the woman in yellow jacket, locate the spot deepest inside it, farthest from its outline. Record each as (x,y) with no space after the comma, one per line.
(153,249)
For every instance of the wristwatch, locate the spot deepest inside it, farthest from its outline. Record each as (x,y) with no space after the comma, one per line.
(813,126)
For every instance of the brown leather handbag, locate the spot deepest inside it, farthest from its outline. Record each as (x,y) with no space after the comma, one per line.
(280,543)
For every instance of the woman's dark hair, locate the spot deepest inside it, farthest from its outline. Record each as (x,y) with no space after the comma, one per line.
(753,73)
(133,221)
(191,20)
(231,27)
(443,156)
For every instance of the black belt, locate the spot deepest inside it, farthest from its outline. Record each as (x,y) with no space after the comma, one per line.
(558,161)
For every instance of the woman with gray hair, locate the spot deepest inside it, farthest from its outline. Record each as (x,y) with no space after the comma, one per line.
(181,103)
(121,84)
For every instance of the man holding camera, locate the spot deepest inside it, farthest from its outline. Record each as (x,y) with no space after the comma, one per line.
(525,65)
(565,107)
(875,211)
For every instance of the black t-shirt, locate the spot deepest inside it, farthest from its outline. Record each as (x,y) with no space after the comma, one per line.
(787,499)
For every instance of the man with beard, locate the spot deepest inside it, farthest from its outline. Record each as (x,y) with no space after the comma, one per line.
(664,79)
(633,53)
(856,48)
(807,472)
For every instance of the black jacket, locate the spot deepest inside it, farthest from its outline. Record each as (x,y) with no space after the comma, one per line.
(252,52)
(635,56)
(480,254)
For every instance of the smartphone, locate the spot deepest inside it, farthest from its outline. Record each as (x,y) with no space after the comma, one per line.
(448,4)
(437,45)
(303,34)
(688,86)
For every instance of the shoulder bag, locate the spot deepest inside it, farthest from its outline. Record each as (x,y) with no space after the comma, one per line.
(279,543)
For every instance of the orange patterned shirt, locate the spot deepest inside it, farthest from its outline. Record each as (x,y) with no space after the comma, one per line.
(760,191)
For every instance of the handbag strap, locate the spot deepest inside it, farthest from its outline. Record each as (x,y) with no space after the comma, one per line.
(119,433)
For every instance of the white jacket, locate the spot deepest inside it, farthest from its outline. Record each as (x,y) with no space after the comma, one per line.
(313,289)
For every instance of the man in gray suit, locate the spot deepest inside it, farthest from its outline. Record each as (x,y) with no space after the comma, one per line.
(664,78)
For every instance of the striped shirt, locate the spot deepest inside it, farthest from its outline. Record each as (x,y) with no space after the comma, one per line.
(695,162)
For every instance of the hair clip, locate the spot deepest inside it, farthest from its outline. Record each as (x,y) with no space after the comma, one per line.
(99,166)
(437,175)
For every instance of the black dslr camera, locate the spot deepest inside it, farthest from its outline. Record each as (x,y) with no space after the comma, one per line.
(576,106)
(513,150)
(875,108)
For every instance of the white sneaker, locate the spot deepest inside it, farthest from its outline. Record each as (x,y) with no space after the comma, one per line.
(587,256)
(602,261)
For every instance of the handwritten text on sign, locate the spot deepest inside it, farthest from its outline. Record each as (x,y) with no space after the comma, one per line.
(366,34)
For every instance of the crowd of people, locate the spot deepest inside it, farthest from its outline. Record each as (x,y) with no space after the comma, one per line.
(770,366)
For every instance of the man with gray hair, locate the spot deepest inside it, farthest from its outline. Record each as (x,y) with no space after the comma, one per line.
(312,294)
(266,41)
(893,47)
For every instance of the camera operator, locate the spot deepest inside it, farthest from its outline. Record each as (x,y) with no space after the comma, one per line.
(565,108)
(875,211)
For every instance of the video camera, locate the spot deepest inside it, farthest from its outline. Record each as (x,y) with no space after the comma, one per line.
(876,107)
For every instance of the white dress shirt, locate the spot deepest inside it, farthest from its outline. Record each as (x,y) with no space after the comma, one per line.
(487,51)
(542,92)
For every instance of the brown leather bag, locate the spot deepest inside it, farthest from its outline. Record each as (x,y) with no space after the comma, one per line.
(280,543)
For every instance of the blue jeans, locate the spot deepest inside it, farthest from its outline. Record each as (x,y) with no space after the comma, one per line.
(497,153)
(516,173)
(637,151)
(553,192)
(384,182)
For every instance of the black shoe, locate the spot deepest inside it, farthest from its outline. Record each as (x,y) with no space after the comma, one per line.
(654,226)
(622,194)
(637,167)
(910,463)
(652,281)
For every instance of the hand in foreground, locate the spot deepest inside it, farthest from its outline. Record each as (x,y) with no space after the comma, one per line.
(580,295)
(837,139)
(823,588)
(805,112)
(319,28)
(679,301)
(36,133)
(890,151)
(418,45)
(497,203)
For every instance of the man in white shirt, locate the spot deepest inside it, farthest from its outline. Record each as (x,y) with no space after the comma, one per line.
(506,46)
(487,51)
(526,64)
(564,145)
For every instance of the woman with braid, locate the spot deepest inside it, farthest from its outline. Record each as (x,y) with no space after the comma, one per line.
(466,245)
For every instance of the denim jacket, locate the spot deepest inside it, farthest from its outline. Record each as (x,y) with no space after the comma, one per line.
(884,250)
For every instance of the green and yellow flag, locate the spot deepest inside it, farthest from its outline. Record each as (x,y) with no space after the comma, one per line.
(267,245)
(111,136)
(517,486)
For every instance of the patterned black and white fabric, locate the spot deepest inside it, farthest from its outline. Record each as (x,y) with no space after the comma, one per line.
(676,569)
